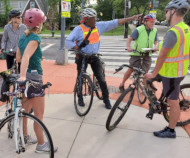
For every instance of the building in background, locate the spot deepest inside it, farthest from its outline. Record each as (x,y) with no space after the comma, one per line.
(23,5)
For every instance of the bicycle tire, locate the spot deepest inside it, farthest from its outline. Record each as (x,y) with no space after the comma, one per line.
(29,150)
(98,90)
(109,125)
(87,89)
(141,97)
(184,101)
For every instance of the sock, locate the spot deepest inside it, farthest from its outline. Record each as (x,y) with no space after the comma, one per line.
(171,130)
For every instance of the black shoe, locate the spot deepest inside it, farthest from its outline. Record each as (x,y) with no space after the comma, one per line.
(107,104)
(80,101)
(165,133)
(121,89)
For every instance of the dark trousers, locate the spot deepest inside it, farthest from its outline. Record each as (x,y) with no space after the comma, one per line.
(10,61)
(96,66)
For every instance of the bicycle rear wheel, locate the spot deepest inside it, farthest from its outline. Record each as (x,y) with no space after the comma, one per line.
(8,147)
(141,97)
(184,102)
(83,95)
(120,108)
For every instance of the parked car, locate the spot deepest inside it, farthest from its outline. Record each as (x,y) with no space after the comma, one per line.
(157,23)
(163,23)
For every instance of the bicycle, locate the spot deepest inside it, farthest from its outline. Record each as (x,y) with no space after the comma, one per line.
(15,68)
(141,97)
(85,86)
(159,106)
(17,131)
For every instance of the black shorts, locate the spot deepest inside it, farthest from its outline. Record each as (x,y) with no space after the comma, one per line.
(172,85)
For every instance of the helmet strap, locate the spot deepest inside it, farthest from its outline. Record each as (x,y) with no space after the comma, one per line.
(171,15)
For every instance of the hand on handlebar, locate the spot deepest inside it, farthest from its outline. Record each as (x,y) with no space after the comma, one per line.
(130,49)
(149,76)
(22,79)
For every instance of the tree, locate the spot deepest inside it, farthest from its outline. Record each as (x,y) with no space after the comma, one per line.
(104,9)
(4,18)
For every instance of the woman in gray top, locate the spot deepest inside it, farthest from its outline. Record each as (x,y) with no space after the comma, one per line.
(12,33)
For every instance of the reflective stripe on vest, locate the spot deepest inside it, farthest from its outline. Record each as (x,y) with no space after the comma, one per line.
(177,60)
(182,40)
(94,36)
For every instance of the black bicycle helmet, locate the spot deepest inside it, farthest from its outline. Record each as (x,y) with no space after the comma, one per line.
(14,13)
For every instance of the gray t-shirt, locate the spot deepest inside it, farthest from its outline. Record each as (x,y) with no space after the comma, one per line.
(135,34)
(170,39)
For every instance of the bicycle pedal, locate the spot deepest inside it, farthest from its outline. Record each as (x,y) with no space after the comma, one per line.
(149,115)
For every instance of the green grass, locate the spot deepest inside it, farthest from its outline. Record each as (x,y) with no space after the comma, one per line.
(117,31)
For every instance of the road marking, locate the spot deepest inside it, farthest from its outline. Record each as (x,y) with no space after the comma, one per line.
(46,47)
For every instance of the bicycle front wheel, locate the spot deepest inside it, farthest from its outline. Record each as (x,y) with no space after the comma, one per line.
(120,108)
(83,95)
(184,102)
(141,97)
(98,90)
(8,147)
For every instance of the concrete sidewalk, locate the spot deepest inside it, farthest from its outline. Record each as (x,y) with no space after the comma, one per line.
(84,137)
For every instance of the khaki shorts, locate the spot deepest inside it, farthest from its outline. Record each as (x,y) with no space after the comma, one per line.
(135,61)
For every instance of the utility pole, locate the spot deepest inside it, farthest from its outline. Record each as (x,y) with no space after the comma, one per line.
(126,14)
(82,4)
(62,54)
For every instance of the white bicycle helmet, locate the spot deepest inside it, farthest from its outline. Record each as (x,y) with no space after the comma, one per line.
(178,4)
(88,12)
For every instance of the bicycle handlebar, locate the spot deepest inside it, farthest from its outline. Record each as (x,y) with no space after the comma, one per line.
(146,52)
(83,54)
(11,52)
(134,68)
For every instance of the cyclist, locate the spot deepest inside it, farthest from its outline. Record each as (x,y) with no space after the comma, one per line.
(145,36)
(30,54)
(12,33)
(77,36)
(173,61)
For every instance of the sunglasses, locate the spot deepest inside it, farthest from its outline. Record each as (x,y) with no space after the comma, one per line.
(166,11)
(18,17)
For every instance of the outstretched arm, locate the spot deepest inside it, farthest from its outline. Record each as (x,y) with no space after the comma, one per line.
(124,20)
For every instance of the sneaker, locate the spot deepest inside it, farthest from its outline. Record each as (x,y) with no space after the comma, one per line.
(165,133)
(80,101)
(44,148)
(30,140)
(107,104)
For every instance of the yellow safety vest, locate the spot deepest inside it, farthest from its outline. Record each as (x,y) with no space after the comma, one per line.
(144,40)
(177,61)
(94,36)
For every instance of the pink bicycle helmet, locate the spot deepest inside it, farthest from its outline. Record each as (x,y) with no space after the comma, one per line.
(33,17)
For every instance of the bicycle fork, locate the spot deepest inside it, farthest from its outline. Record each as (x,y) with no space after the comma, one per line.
(18,128)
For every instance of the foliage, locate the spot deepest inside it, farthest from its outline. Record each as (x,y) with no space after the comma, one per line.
(104,9)
(7,8)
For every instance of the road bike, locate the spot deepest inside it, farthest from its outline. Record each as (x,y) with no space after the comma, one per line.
(85,86)
(17,134)
(159,106)
(147,51)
